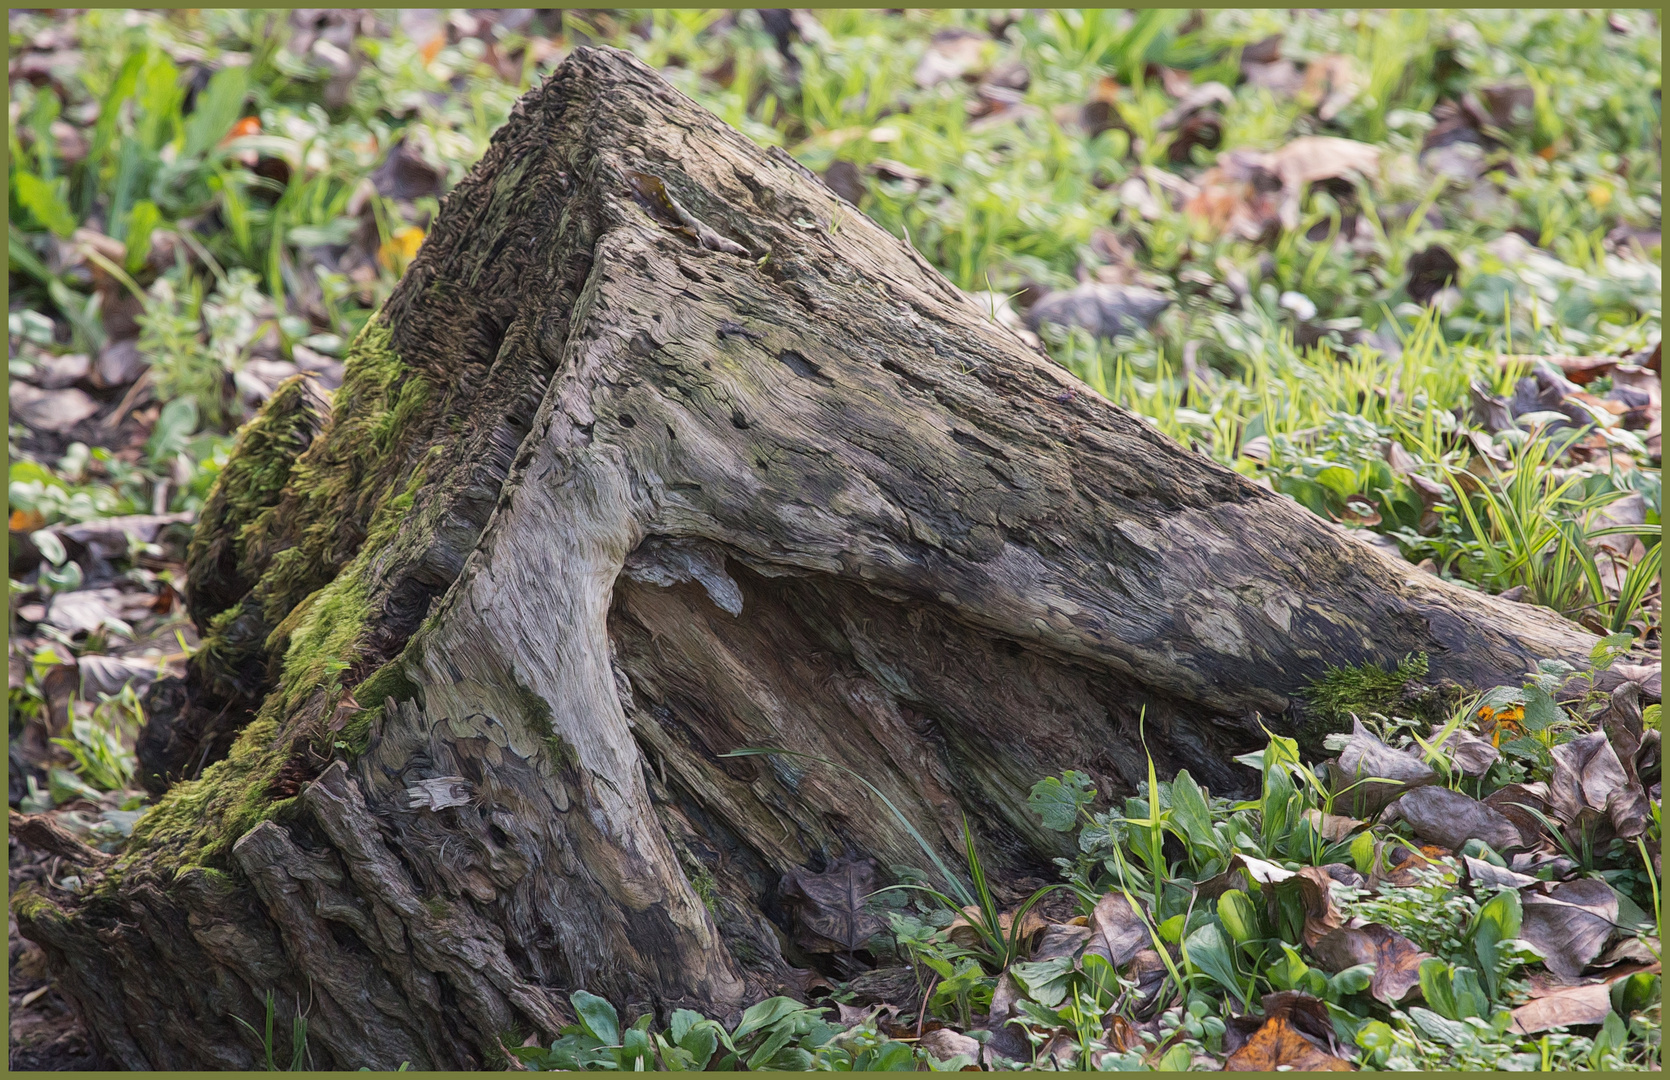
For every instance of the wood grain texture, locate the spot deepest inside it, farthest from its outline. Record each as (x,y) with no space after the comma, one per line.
(725,465)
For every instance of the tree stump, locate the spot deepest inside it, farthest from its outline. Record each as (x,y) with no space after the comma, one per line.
(662,450)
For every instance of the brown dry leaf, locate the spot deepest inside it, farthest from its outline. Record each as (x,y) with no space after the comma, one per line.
(1569,925)
(952,54)
(831,909)
(1450,819)
(1485,875)
(1278,1044)
(944,1044)
(1236,196)
(1331,83)
(1310,158)
(1306,1013)
(1572,1006)
(1469,753)
(1396,960)
(49,410)
(1332,827)
(1061,939)
(1512,799)
(963,933)
(1369,774)
(1586,774)
(1322,916)
(1117,931)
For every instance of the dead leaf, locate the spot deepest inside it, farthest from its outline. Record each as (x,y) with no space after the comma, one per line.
(1450,819)
(1241,870)
(1370,774)
(1586,774)
(963,933)
(1331,83)
(88,611)
(1194,99)
(1117,931)
(1107,311)
(1332,827)
(1487,875)
(944,1044)
(832,909)
(1396,960)
(1573,1006)
(56,372)
(1510,801)
(1278,1044)
(1061,939)
(1569,925)
(56,411)
(951,54)
(1310,158)
(1322,915)
(113,538)
(1469,753)
(1309,1015)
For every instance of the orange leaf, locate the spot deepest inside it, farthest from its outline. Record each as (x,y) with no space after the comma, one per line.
(25,520)
(249,125)
(1278,1043)
(432,48)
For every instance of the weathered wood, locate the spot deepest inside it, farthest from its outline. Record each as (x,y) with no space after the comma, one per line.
(700,459)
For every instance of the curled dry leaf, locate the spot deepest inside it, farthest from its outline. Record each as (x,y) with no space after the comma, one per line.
(1485,875)
(1309,1015)
(1572,1006)
(1322,915)
(831,908)
(1469,753)
(1369,774)
(1586,775)
(1569,925)
(1061,939)
(1279,1045)
(963,933)
(944,1044)
(1450,819)
(1332,827)
(1396,959)
(1117,931)
(1512,800)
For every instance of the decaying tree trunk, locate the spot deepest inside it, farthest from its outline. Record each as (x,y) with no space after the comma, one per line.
(659,451)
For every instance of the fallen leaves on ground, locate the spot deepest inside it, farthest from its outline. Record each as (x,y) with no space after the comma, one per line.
(1396,959)
(1570,924)
(831,909)
(1279,1045)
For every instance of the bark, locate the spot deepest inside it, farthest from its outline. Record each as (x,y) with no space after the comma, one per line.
(662,450)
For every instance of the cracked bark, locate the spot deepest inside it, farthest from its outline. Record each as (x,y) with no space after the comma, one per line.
(784,486)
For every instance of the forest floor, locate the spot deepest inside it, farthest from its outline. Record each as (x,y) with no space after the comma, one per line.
(1402,267)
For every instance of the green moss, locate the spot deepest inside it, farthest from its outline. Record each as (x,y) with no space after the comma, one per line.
(1362,689)
(706,886)
(197,821)
(252,482)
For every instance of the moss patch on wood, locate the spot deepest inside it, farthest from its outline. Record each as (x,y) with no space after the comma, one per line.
(1361,689)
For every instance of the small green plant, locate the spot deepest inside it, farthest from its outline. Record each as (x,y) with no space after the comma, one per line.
(298,1039)
(778,1034)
